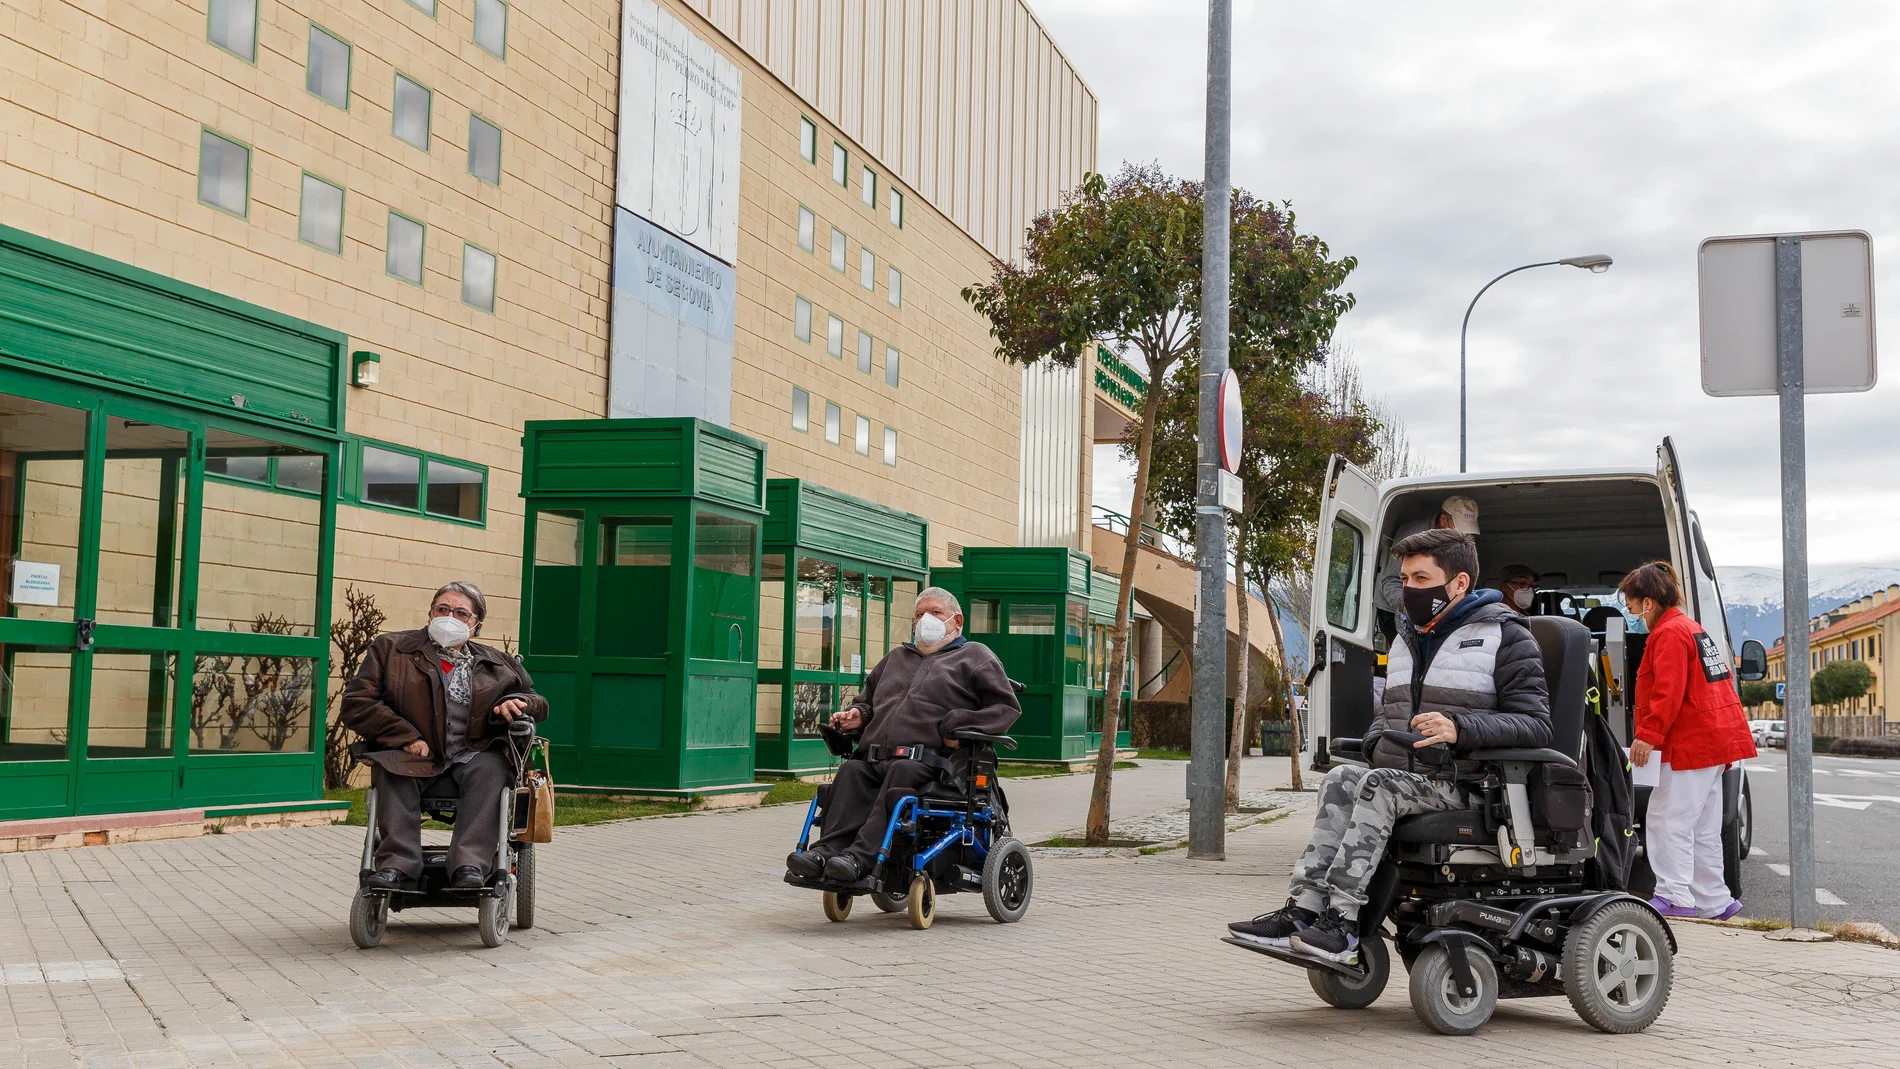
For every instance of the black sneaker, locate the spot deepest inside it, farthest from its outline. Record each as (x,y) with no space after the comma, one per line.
(806,864)
(1273,929)
(1332,937)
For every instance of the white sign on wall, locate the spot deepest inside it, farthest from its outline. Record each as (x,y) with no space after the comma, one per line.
(679,131)
(35,583)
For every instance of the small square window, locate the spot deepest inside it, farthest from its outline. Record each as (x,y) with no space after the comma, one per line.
(801,410)
(807,229)
(897,208)
(320,214)
(484,149)
(491,27)
(328,75)
(833,417)
(801,320)
(869,188)
(834,336)
(224,173)
(411,112)
(808,139)
(837,249)
(838,168)
(427,7)
(234,28)
(893,287)
(864,352)
(478,278)
(890,446)
(454,491)
(391,478)
(404,254)
(862,440)
(890,365)
(867,268)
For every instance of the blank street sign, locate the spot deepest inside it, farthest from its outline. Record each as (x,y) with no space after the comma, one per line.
(1737,277)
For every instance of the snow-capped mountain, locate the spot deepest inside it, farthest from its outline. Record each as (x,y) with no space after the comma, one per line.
(1753,594)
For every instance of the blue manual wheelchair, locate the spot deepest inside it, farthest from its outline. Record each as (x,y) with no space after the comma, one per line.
(953,835)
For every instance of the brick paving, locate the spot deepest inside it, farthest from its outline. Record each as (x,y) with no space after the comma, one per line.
(670,942)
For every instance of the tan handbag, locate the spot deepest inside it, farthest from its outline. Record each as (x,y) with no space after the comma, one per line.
(540,801)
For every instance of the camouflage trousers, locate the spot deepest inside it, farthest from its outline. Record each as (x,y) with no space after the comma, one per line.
(1357,808)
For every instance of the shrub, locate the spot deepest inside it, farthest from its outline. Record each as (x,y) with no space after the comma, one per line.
(1880,747)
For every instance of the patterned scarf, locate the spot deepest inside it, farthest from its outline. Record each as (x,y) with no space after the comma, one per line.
(457,677)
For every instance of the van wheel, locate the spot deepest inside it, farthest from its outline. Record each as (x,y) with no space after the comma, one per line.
(1349,993)
(1435,997)
(369,918)
(1618,968)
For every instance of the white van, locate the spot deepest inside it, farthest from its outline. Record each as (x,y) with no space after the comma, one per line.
(1581,530)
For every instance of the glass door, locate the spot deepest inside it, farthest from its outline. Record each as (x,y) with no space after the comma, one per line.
(42,497)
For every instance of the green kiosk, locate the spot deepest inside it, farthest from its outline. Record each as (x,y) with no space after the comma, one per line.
(1039,609)
(837,590)
(649,669)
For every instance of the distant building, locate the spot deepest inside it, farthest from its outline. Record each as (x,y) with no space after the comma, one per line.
(1861,630)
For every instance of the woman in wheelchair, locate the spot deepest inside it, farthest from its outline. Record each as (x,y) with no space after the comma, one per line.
(1465,675)
(914,703)
(433,705)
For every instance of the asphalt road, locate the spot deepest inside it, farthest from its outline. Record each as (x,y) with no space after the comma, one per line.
(1856,832)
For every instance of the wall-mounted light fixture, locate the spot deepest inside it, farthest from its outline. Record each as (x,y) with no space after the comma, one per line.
(364,368)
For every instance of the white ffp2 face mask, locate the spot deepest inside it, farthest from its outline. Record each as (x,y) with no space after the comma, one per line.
(448,632)
(929,630)
(1523,598)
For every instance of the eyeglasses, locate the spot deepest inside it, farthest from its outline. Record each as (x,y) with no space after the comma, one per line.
(463,615)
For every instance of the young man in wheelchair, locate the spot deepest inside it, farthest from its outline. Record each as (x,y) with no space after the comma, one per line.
(1466,674)
(912,704)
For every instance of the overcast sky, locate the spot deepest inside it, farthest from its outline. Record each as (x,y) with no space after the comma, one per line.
(1441,144)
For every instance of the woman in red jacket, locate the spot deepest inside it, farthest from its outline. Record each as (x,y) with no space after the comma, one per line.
(1688,712)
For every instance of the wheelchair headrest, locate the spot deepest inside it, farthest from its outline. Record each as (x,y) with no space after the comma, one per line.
(1565,645)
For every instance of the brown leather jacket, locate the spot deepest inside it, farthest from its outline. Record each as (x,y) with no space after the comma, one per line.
(396,697)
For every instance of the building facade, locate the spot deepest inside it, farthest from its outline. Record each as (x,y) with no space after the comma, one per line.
(285,281)
(1861,630)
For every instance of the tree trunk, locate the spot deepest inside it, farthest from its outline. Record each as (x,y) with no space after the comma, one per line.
(1095,832)
(1286,677)
(1238,744)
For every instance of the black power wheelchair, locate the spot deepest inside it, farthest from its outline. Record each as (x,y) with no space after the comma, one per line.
(1495,902)
(505,900)
(953,835)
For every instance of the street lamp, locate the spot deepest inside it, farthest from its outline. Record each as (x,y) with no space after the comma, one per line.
(1595,263)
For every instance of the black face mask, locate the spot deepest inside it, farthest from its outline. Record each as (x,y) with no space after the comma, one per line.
(1424,603)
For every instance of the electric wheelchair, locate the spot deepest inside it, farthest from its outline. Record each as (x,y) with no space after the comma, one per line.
(953,835)
(1495,901)
(505,900)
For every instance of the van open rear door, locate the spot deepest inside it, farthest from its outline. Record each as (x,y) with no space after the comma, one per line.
(1340,619)
(1685,534)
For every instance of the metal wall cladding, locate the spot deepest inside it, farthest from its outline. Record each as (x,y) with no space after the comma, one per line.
(813,517)
(969,102)
(990,570)
(1051,487)
(117,325)
(618,458)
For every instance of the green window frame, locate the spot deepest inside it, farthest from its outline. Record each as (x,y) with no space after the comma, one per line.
(868,178)
(303,212)
(801,318)
(311,83)
(484,30)
(395,111)
(807,229)
(427,7)
(840,165)
(483,134)
(422,248)
(206,136)
(211,28)
(474,257)
(896,199)
(801,410)
(808,139)
(275,477)
(351,486)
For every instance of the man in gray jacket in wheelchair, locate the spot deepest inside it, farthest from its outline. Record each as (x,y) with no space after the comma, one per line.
(1465,674)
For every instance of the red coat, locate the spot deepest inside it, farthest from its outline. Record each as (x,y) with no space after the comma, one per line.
(1693,721)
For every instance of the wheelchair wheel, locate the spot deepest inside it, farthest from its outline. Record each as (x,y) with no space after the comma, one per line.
(369,918)
(524,886)
(837,906)
(889,902)
(1007,881)
(1348,993)
(493,916)
(1618,968)
(1435,997)
(921,901)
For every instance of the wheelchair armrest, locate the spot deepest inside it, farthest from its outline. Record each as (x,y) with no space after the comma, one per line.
(1347,747)
(1536,756)
(1017,687)
(968,735)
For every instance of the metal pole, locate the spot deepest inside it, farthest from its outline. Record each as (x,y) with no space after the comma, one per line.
(1804,912)
(1461,352)
(1207,769)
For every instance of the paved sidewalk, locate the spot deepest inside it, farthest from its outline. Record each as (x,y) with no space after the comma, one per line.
(671,942)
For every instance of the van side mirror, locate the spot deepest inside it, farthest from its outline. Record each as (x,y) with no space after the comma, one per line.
(1754,661)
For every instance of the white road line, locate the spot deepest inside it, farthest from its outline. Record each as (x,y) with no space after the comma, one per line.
(1779,870)
(1828,898)
(1839,802)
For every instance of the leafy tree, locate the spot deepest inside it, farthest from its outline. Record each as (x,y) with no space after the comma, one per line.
(1841,681)
(1120,262)
(1757,693)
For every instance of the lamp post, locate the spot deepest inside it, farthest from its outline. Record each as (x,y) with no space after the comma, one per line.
(1595,263)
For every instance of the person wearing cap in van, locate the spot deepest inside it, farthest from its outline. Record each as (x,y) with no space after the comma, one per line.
(1457,513)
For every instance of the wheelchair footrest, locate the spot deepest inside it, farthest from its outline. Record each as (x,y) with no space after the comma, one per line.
(862,886)
(1304,962)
